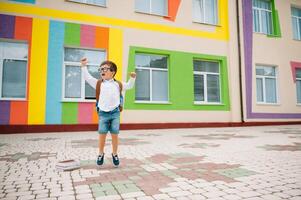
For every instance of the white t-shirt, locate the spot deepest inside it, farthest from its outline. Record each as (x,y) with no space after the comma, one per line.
(109,97)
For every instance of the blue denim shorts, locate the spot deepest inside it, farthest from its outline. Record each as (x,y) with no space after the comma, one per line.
(109,121)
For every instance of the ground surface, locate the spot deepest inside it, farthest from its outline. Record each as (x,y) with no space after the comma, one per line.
(252,163)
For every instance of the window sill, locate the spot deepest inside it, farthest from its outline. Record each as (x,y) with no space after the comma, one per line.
(89,4)
(208,24)
(153,102)
(267,104)
(78,101)
(152,14)
(207,103)
(13,99)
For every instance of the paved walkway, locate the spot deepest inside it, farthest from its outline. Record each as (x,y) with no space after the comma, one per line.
(253,163)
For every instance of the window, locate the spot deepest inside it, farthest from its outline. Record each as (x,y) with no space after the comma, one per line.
(266,84)
(206,81)
(91,2)
(75,87)
(156,7)
(296,20)
(205,11)
(13,70)
(262,16)
(298,85)
(152,78)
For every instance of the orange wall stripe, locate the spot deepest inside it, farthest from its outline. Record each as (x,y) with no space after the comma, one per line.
(102,38)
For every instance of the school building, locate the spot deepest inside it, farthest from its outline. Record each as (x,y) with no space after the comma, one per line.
(198,62)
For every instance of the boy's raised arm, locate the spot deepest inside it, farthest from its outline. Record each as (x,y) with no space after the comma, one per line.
(131,82)
(87,76)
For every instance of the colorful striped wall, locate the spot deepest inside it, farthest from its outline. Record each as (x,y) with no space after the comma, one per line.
(17,28)
(47,40)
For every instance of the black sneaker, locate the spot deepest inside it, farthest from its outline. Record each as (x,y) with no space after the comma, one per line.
(100,159)
(115,160)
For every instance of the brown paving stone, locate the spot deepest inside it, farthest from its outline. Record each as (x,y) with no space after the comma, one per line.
(159,158)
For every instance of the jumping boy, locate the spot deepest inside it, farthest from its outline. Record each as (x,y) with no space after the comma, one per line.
(108,104)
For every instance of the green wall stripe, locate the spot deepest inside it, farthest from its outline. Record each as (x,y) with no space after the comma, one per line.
(69,113)
(72,38)
(72,34)
(180,72)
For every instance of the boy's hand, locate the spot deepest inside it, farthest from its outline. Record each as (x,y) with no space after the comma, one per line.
(84,62)
(133,74)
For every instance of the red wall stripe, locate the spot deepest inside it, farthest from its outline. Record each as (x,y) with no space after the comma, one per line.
(23,31)
(173,7)
(18,112)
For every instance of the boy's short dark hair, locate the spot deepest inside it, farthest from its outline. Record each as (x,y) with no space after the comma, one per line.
(112,65)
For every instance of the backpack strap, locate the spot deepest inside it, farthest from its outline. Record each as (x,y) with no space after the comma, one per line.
(121,97)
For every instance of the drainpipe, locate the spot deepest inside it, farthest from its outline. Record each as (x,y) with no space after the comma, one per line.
(239,62)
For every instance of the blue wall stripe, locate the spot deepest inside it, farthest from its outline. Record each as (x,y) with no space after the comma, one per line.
(54,73)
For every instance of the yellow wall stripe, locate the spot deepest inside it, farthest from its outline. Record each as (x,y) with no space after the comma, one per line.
(115,50)
(221,32)
(38,72)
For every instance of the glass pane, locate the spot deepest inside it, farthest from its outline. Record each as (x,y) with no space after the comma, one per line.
(296,12)
(269,71)
(142,6)
(270,90)
(89,91)
(199,88)
(13,50)
(159,86)
(256,23)
(266,20)
(142,60)
(142,85)
(14,78)
(205,66)
(298,87)
(295,28)
(94,56)
(259,89)
(266,71)
(158,62)
(72,82)
(159,7)
(298,73)
(213,93)
(259,71)
(198,10)
(210,11)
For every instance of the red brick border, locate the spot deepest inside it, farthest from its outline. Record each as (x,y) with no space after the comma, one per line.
(5,129)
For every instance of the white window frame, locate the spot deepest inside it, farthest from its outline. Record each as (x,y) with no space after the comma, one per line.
(151,69)
(260,18)
(66,63)
(204,14)
(85,2)
(152,13)
(205,84)
(298,27)
(263,78)
(1,73)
